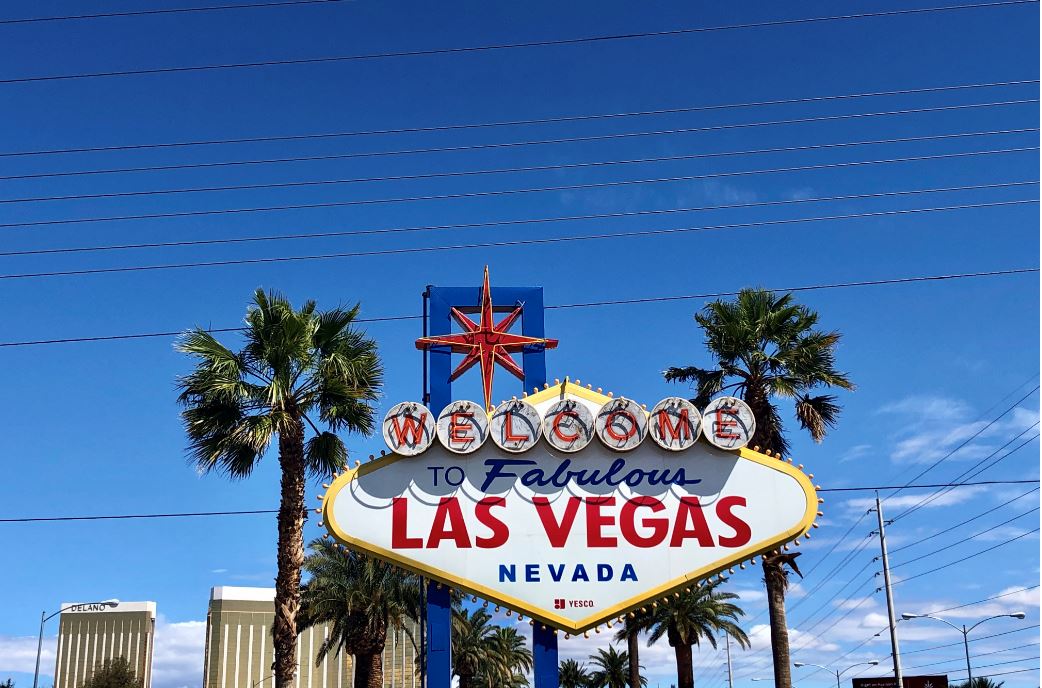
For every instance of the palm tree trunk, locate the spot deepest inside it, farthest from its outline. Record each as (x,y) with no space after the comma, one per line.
(685,671)
(369,670)
(465,680)
(290,554)
(633,648)
(774,577)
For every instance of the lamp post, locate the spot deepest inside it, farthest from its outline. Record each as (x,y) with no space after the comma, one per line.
(44,616)
(837,673)
(965,634)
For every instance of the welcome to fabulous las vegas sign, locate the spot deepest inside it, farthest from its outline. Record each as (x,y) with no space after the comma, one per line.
(568,504)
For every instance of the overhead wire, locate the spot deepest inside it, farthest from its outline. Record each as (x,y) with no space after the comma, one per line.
(563,119)
(968,538)
(508,243)
(967,557)
(490,47)
(559,166)
(409,229)
(507,192)
(613,302)
(164,10)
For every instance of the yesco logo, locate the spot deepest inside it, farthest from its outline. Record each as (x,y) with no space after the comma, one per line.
(515,426)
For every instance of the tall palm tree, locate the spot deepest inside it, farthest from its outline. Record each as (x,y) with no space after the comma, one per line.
(611,669)
(572,674)
(471,644)
(361,599)
(509,659)
(692,615)
(764,347)
(298,369)
(633,624)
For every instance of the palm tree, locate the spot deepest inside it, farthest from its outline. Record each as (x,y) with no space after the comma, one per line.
(980,682)
(485,655)
(611,669)
(766,346)
(633,624)
(572,674)
(297,366)
(689,616)
(361,599)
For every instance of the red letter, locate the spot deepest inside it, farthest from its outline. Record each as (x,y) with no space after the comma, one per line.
(556,532)
(742,533)
(557,426)
(455,529)
(399,526)
(508,430)
(459,432)
(659,526)
(595,520)
(683,426)
(500,533)
(611,430)
(720,425)
(691,510)
(413,429)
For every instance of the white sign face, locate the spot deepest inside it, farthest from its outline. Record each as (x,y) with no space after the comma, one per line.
(570,539)
(675,424)
(515,426)
(409,428)
(622,424)
(568,425)
(728,423)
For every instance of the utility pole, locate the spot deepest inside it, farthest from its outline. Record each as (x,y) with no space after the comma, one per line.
(889,593)
(730,674)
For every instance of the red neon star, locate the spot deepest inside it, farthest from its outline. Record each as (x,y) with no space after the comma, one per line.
(486,342)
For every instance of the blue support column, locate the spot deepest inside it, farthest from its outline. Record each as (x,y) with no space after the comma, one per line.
(544,656)
(439,301)
(439,640)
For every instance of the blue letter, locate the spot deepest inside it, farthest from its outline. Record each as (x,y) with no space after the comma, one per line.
(532,573)
(580,572)
(556,575)
(604,572)
(506,572)
(628,573)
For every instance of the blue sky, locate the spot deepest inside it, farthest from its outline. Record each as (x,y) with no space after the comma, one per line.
(92,428)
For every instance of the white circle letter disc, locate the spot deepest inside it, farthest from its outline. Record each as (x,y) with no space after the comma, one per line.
(728,423)
(462,427)
(409,428)
(515,426)
(675,423)
(621,424)
(568,425)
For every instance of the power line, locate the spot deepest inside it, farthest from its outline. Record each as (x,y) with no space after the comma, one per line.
(171,10)
(522,221)
(967,557)
(970,473)
(513,46)
(967,539)
(912,487)
(959,643)
(562,119)
(505,244)
(618,302)
(849,557)
(961,445)
(505,192)
(962,523)
(43,519)
(1005,673)
(982,654)
(561,166)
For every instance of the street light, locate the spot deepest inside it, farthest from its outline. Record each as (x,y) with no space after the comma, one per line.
(43,619)
(965,633)
(837,673)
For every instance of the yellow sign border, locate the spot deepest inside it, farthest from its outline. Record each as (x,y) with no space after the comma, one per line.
(543,615)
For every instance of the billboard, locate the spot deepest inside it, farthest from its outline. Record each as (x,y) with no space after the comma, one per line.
(570,506)
(907,681)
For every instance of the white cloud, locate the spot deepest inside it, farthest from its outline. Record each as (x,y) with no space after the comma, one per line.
(856,452)
(927,428)
(18,654)
(909,499)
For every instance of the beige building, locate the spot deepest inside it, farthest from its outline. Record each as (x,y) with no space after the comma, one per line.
(89,634)
(239,653)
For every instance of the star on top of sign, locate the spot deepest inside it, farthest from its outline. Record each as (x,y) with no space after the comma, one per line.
(486,342)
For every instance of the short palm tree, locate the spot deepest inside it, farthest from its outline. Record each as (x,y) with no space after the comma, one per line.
(572,674)
(361,599)
(471,644)
(610,669)
(298,369)
(690,616)
(765,347)
(508,660)
(633,625)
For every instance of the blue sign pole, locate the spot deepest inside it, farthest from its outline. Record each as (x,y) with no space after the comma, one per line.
(438,302)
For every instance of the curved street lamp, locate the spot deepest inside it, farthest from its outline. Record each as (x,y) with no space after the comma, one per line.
(836,673)
(965,634)
(44,616)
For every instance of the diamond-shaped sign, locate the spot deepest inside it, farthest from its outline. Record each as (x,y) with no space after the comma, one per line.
(570,538)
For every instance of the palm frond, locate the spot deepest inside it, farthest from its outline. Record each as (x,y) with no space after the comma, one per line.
(817,415)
